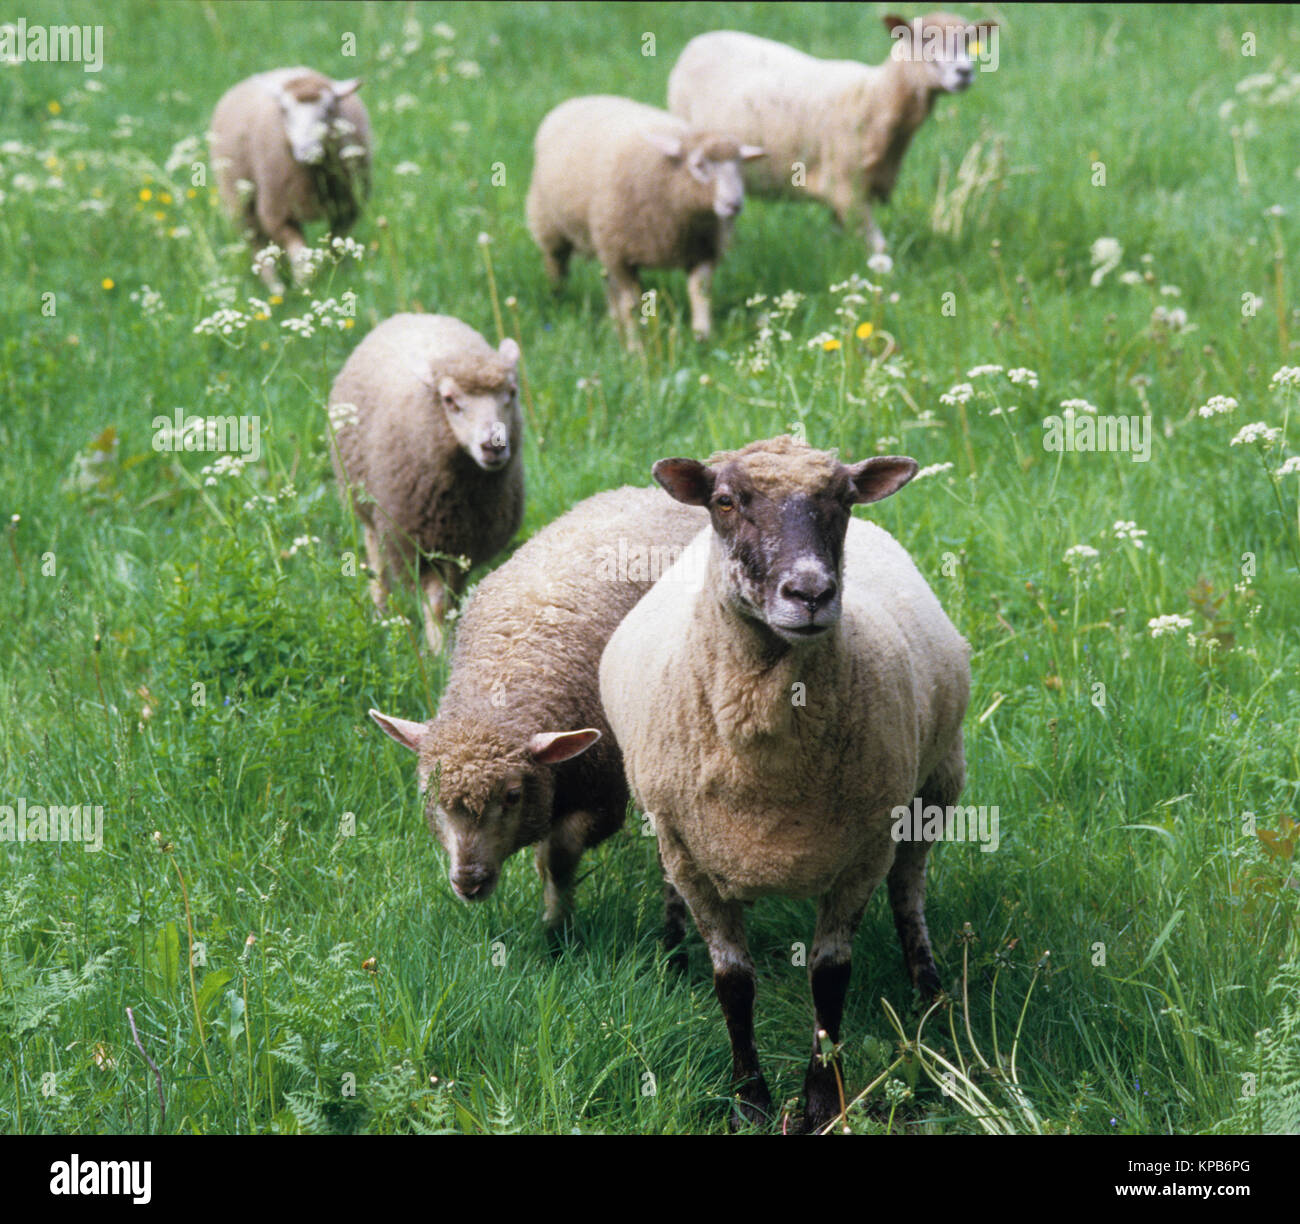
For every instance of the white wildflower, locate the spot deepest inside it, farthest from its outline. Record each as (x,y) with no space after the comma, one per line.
(1166,626)
(1106,254)
(1287,376)
(1217,405)
(959,394)
(980,370)
(1256,431)
(933,470)
(1290,467)
(880,263)
(1022,377)
(1071,406)
(1129,530)
(406,167)
(1079,555)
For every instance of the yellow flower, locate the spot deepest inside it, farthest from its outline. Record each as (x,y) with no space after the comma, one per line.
(145,194)
(349,324)
(106,283)
(276,299)
(53,107)
(831,345)
(261,315)
(51,162)
(266,344)
(190,194)
(864,330)
(165,197)
(160,216)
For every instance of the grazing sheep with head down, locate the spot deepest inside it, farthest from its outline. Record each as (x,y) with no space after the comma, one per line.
(776,696)
(428,445)
(520,752)
(835,130)
(291,146)
(636,188)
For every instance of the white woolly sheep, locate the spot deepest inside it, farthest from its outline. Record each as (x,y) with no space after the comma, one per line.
(636,188)
(522,701)
(428,443)
(291,146)
(790,682)
(835,130)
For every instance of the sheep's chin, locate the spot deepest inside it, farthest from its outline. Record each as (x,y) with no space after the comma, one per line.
(494,466)
(800,633)
(482,895)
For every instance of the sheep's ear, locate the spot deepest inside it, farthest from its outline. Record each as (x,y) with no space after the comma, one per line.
(509,351)
(749,152)
(405,732)
(892,21)
(448,387)
(552,747)
(874,479)
(667,144)
(687,480)
(343,89)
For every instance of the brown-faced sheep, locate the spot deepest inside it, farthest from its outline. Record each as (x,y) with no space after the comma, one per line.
(835,130)
(776,695)
(428,445)
(520,752)
(636,188)
(291,146)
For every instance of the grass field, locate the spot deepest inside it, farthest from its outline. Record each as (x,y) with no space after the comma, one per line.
(195,653)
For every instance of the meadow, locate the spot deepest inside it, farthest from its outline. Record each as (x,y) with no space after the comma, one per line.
(1106,224)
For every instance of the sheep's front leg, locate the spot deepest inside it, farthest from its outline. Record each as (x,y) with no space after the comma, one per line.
(557,863)
(433,605)
(838,916)
(674,922)
(288,237)
(698,285)
(624,291)
(722,926)
(375,560)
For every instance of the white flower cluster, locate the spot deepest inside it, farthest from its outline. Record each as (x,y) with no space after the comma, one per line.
(271,499)
(301,542)
(1079,555)
(1175,320)
(960,394)
(980,370)
(933,470)
(1022,377)
(1287,376)
(344,247)
(1071,406)
(1256,431)
(149,300)
(1166,626)
(331,313)
(226,465)
(342,416)
(1290,468)
(1129,530)
(1217,405)
(225,322)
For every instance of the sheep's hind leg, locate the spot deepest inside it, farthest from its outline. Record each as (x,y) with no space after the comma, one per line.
(624,290)
(907,879)
(555,259)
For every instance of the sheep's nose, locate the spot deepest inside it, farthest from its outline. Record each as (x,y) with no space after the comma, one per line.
(471,882)
(494,452)
(812,592)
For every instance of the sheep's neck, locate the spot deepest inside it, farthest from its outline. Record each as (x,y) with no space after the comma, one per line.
(754,681)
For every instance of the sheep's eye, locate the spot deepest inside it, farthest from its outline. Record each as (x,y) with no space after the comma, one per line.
(726,503)
(450,404)
(513,795)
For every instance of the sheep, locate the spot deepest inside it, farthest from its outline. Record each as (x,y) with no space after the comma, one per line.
(636,188)
(835,130)
(522,704)
(291,146)
(428,444)
(814,684)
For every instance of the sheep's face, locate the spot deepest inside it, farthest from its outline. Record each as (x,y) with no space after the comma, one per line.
(485,796)
(485,422)
(310,109)
(940,45)
(780,511)
(711,165)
